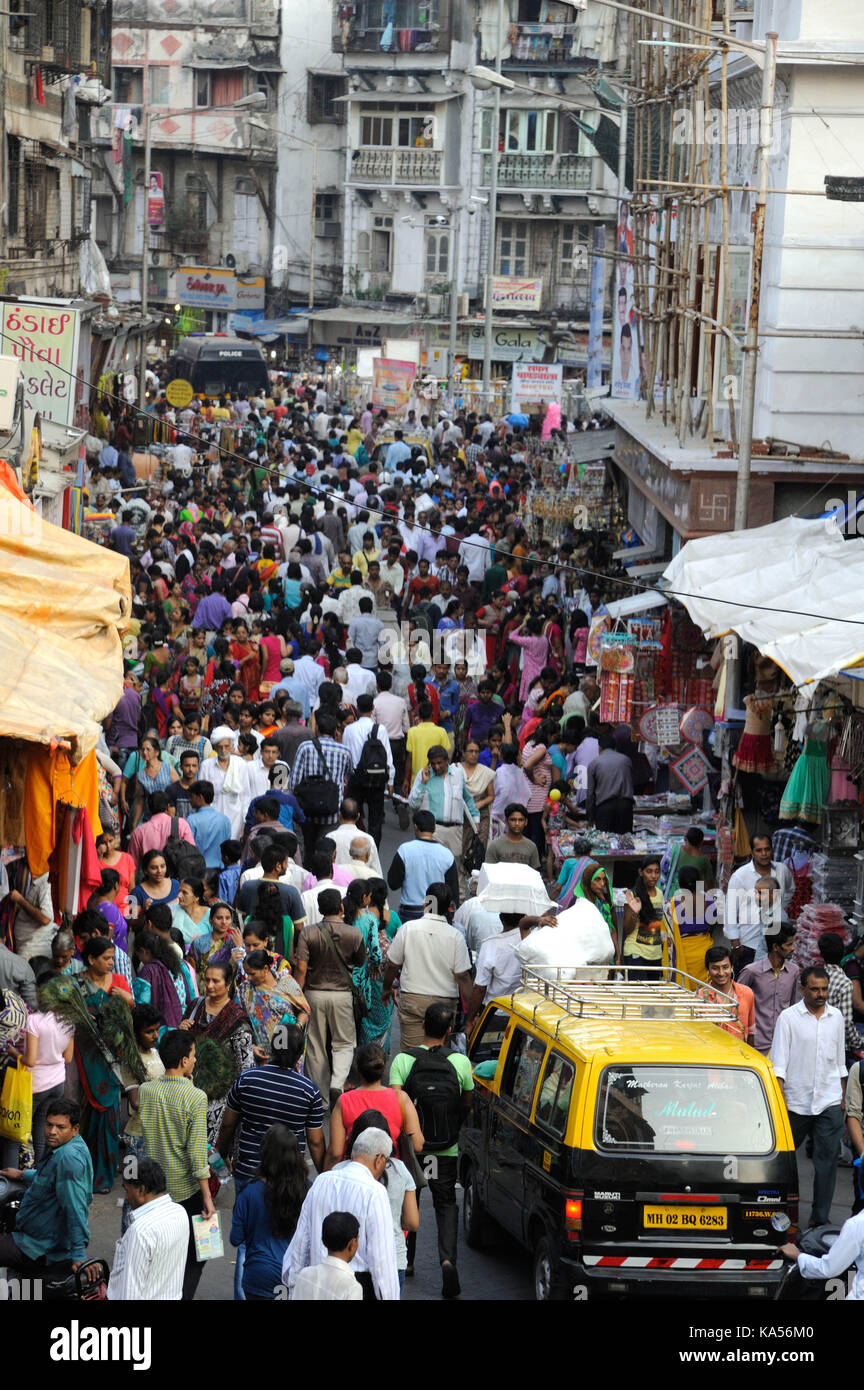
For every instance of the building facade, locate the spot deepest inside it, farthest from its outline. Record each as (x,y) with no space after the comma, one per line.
(203,76)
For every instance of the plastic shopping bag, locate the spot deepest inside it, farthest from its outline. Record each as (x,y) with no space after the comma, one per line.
(16,1103)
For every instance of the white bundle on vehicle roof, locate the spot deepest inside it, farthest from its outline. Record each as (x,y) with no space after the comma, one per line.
(580,938)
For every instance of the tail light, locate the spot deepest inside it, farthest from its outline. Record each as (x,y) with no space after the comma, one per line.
(573,1215)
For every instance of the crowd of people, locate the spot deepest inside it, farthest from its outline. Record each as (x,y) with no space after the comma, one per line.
(335,622)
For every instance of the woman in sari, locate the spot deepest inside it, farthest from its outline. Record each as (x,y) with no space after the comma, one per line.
(216,1018)
(593,885)
(269,1000)
(256,937)
(218,942)
(247,660)
(357,907)
(191,915)
(564,889)
(155,983)
(554,634)
(377,1024)
(97,1058)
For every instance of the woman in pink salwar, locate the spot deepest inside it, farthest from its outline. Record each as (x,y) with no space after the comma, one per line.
(535,650)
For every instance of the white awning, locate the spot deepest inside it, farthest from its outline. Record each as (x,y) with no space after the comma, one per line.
(805,583)
(636,603)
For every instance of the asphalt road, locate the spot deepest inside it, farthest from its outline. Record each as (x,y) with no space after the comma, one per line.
(502,1271)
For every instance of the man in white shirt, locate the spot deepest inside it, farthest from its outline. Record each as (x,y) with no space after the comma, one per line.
(391,711)
(499,970)
(183,459)
(360,680)
(809,1058)
(351,1187)
(474,555)
(366,792)
(346,831)
(431,959)
(149,1260)
(743,923)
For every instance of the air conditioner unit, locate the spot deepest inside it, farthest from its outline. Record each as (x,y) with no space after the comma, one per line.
(462,301)
(421,303)
(331,230)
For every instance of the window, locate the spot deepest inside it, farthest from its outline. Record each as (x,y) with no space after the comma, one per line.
(573,254)
(322,93)
(692,1110)
(262,85)
(486,1045)
(159,86)
(327,208)
(374,249)
(553,1100)
(407,131)
(437,253)
(202,89)
(520,132)
(513,247)
(226,87)
(13,164)
(522,1069)
(196,201)
(128,86)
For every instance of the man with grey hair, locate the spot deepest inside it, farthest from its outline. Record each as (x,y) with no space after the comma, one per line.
(346,832)
(360,866)
(353,1187)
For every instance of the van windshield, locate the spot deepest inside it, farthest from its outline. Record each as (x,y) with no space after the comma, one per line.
(697,1110)
(215,378)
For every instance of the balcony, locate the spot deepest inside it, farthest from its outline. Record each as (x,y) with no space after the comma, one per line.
(529,171)
(543,45)
(391,26)
(419,168)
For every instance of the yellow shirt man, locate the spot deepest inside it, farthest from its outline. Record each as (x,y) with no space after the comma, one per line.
(420,739)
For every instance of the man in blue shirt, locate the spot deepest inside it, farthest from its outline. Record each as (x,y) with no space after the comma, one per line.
(397,453)
(209,827)
(52,1227)
(448,694)
(297,689)
(421,862)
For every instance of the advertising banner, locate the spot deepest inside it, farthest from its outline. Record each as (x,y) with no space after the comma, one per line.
(392,383)
(508,292)
(45,341)
(200,287)
(249,293)
(155,201)
(534,383)
(625,329)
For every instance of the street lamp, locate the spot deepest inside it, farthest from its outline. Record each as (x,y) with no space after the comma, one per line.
(253,101)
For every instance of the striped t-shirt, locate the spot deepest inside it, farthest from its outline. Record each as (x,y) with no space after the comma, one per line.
(268,1095)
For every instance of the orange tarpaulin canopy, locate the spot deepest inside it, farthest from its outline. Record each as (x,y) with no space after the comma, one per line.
(64,604)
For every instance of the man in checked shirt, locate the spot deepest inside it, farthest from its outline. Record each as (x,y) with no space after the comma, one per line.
(832,950)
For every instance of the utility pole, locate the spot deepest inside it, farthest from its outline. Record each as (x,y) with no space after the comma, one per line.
(455,231)
(493,220)
(751,341)
(145,268)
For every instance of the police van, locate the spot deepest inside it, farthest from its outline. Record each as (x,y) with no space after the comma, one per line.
(214,364)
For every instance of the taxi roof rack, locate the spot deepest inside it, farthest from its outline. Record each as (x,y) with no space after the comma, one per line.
(604,991)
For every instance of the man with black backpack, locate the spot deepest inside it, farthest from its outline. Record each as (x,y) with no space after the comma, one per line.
(319,776)
(440,1083)
(368,743)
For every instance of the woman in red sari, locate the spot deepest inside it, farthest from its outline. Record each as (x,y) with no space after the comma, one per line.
(248,661)
(554,634)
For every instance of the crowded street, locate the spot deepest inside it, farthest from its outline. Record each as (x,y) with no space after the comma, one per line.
(431,675)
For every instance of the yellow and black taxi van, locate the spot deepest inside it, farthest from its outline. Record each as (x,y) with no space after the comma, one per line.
(628,1142)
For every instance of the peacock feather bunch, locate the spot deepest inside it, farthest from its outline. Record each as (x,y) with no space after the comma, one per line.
(109,1028)
(215,1069)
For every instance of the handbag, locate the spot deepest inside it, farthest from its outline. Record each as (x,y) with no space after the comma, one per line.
(319,796)
(476,852)
(16,1103)
(358,999)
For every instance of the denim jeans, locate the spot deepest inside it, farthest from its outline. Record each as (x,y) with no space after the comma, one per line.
(826,1129)
(240,1263)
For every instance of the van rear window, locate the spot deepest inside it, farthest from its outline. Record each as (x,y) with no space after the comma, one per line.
(697,1110)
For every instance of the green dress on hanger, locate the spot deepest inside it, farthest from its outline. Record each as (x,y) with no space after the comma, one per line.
(807,789)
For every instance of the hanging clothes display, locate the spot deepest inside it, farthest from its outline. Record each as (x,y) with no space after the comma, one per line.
(807,789)
(755,752)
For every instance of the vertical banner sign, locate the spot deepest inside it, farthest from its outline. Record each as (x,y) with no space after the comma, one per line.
(392,383)
(155,201)
(45,341)
(625,330)
(594,376)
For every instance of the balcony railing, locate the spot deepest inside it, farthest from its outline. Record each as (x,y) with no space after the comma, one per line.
(541,170)
(393,26)
(544,45)
(422,167)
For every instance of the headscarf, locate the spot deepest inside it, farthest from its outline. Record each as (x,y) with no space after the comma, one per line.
(592,871)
